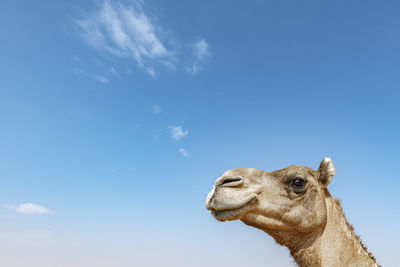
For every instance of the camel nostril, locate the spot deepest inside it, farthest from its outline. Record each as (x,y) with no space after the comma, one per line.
(231,181)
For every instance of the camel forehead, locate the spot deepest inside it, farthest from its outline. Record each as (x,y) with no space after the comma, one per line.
(295,170)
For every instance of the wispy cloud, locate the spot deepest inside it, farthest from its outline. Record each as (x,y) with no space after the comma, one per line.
(201,50)
(156,109)
(101,79)
(183,152)
(114,71)
(177,132)
(124,30)
(28,208)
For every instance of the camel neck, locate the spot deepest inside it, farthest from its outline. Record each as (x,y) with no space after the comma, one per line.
(335,245)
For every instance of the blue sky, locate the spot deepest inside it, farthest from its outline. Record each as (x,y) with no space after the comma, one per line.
(117,116)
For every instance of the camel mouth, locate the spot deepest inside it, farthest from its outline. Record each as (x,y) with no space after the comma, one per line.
(233,213)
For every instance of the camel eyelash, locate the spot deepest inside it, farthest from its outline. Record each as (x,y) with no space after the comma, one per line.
(289,179)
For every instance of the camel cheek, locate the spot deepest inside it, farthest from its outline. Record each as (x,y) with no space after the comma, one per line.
(313,205)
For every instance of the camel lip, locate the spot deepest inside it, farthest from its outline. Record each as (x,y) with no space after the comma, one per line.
(233,213)
(211,205)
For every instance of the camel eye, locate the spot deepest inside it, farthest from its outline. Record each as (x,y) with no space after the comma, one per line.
(297,184)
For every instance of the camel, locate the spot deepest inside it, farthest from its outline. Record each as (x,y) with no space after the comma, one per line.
(294,206)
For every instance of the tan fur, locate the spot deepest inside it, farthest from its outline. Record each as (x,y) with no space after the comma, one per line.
(309,221)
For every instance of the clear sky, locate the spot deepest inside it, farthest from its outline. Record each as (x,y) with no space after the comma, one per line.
(117,116)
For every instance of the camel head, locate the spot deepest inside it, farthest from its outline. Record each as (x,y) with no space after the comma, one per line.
(286,203)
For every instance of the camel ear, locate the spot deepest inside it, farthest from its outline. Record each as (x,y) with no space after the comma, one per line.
(326,171)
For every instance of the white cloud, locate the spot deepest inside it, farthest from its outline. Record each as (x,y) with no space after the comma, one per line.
(201,51)
(194,69)
(126,31)
(101,79)
(156,109)
(183,152)
(28,208)
(177,132)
